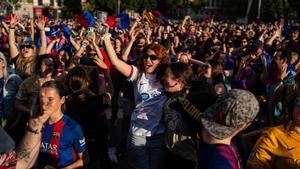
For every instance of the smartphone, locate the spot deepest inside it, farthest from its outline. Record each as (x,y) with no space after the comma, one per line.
(90,33)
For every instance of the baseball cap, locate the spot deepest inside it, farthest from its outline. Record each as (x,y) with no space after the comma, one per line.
(6,142)
(231,110)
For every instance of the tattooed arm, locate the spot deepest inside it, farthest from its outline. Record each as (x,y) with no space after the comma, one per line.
(28,149)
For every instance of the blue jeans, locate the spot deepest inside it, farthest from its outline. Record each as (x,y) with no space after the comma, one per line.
(145,152)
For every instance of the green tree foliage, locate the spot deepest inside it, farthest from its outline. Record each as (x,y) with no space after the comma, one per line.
(71,7)
(270,9)
(274,9)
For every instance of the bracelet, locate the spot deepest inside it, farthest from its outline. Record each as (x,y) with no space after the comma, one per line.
(12,27)
(84,45)
(106,36)
(35,131)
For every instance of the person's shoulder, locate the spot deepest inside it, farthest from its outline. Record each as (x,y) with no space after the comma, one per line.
(31,79)
(277,130)
(223,156)
(70,123)
(274,135)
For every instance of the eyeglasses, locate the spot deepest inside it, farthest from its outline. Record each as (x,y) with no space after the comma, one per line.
(152,57)
(26,46)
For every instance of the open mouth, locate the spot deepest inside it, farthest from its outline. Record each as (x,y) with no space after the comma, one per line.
(148,66)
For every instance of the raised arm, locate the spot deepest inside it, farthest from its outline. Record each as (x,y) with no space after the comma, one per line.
(96,47)
(13,50)
(134,25)
(129,46)
(276,34)
(5,26)
(28,149)
(40,23)
(76,46)
(32,29)
(148,35)
(51,44)
(121,66)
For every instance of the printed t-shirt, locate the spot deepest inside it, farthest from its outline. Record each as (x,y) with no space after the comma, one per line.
(146,119)
(61,142)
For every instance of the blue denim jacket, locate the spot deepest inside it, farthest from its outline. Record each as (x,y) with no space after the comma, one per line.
(10,89)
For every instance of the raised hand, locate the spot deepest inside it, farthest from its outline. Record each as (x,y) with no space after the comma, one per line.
(134,34)
(15,19)
(100,63)
(40,23)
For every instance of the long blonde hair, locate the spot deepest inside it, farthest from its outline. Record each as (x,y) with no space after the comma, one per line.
(25,66)
(2,57)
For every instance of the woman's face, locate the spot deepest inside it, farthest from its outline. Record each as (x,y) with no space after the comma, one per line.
(43,66)
(118,45)
(27,51)
(176,39)
(50,100)
(151,61)
(172,84)
(2,66)
(62,56)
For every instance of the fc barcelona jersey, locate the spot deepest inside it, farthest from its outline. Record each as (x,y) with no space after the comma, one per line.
(61,142)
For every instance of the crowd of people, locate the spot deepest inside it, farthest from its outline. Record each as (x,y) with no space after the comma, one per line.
(190,94)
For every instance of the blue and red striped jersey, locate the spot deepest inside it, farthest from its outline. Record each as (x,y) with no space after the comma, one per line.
(218,156)
(61,142)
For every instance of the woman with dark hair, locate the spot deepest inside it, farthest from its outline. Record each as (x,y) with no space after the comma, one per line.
(176,82)
(146,135)
(88,109)
(279,146)
(63,144)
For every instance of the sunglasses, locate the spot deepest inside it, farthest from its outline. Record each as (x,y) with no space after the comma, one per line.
(152,57)
(26,46)
(140,46)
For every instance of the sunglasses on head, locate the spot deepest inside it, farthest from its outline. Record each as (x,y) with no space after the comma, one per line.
(152,57)
(26,46)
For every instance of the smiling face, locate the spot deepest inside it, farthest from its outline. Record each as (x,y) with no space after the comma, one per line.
(151,61)
(118,45)
(2,65)
(172,84)
(27,51)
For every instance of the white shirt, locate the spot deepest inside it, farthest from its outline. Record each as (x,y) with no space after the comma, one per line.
(146,119)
